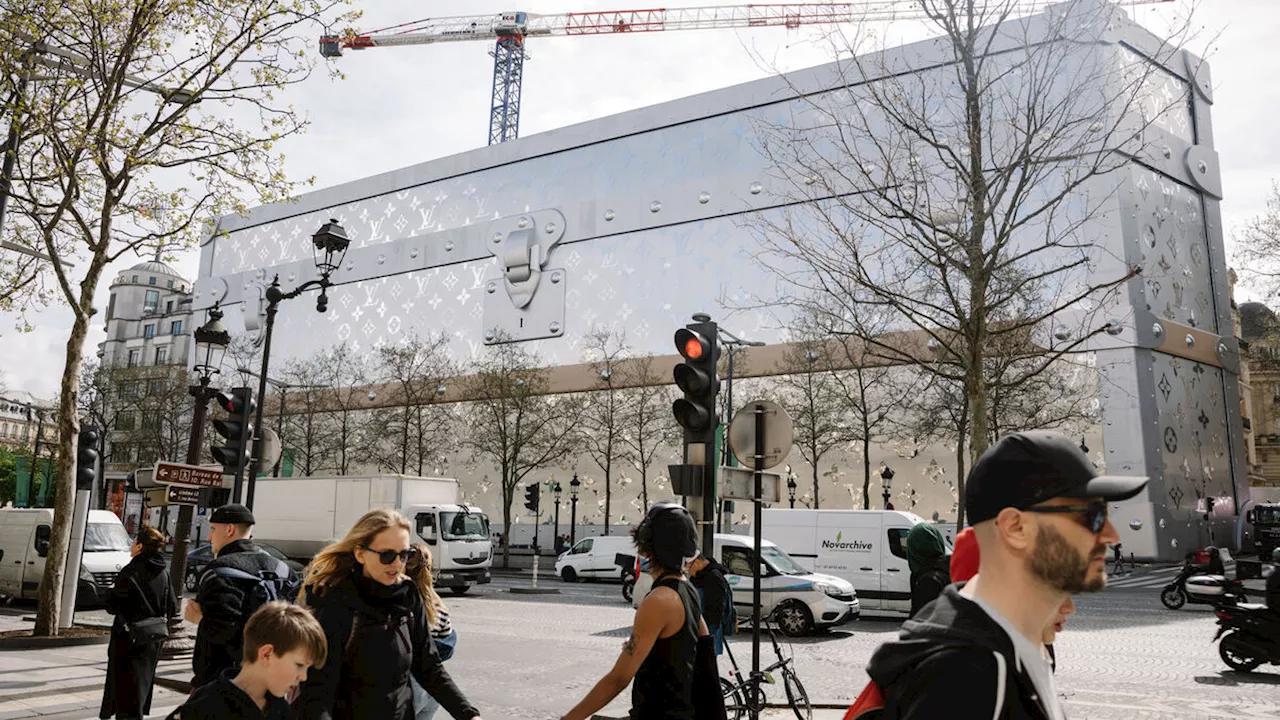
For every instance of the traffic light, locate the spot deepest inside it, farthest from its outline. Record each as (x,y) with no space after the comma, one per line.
(87,457)
(237,429)
(531,497)
(696,376)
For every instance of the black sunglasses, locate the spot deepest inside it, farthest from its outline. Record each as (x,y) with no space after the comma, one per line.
(1094,514)
(410,557)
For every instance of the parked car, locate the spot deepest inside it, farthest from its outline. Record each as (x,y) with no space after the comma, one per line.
(595,557)
(202,555)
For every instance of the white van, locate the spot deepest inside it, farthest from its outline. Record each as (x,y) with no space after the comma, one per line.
(865,547)
(595,557)
(24,544)
(804,600)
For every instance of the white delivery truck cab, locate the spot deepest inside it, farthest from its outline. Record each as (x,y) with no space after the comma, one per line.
(24,545)
(302,515)
(865,547)
(595,557)
(802,600)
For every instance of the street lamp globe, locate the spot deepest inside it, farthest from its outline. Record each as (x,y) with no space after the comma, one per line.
(330,241)
(574,484)
(555,490)
(212,340)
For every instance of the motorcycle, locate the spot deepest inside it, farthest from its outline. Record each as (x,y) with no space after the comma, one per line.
(1191,587)
(1250,636)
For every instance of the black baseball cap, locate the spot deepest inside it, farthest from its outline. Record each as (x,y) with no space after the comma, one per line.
(232,514)
(1027,468)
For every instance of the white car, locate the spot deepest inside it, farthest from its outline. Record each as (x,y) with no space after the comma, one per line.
(803,601)
(595,557)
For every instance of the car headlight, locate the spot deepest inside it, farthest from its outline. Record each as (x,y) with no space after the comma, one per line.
(827,589)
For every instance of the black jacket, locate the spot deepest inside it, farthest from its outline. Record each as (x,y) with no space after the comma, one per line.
(1273,590)
(926,586)
(377,637)
(716,593)
(221,699)
(141,591)
(945,661)
(219,638)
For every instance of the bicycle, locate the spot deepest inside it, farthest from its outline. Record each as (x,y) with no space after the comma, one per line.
(743,695)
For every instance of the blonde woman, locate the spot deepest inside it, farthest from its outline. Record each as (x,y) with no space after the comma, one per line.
(367,591)
(442,634)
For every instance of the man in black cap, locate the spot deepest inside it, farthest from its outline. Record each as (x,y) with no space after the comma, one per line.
(1039,513)
(223,604)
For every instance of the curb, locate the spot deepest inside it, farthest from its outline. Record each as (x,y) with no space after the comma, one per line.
(182,686)
(534,591)
(49,643)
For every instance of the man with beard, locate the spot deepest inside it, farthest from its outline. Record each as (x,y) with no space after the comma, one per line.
(1039,512)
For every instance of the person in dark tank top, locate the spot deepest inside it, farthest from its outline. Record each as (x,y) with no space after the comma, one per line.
(661,653)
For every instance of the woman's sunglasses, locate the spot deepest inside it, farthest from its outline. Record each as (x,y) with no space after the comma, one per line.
(410,557)
(1094,514)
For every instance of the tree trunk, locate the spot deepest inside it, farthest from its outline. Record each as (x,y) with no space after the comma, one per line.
(506,520)
(866,468)
(815,482)
(608,484)
(64,504)
(960,483)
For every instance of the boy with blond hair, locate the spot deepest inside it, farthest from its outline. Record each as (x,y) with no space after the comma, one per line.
(281,643)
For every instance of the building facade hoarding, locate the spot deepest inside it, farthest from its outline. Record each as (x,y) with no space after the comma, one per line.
(638,221)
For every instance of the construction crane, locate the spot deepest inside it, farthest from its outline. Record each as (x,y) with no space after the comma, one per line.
(511,29)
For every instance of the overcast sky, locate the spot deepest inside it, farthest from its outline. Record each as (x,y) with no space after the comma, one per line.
(401,106)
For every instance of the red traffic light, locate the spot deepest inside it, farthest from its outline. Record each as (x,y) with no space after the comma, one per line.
(693,348)
(691,345)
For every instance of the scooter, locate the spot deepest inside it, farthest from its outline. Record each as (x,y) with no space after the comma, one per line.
(1190,587)
(1250,636)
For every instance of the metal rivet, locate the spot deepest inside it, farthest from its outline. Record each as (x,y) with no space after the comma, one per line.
(704,197)
(655,206)
(448,246)
(756,188)
(609,215)
(523,223)
(1166,152)
(372,395)
(1191,341)
(554,327)
(489,335)
(413,253)
(351,265)
(1114,327)
(492,287)
(293,276)
(1158,330)
(497,237)
(382,259)
(1135,524)
(1222,349)
(556,277)
(1202,167)
(550,228)
(809,180)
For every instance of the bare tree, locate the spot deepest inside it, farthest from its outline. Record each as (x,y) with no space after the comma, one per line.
(514,423)
(816,400)
(1258,247)
(415,371)
(962,198)
(305,426)
(604,411)
(346,373)
(648,421)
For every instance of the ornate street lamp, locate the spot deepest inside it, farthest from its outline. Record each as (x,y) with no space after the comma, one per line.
(886,479)
(555,493)
(574,484)
(791,486)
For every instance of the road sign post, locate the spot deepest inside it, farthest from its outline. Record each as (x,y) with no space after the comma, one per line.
(181,495)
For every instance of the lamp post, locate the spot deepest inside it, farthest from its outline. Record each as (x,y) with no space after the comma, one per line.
(283,388)
(731,341)
(329,246)
(555,493)
(573,512)
(211,344)
(791,486)
(886,479)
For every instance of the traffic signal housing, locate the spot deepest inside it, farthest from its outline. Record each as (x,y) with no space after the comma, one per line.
(531,497)
(87,457)
(696,377)
(237,430)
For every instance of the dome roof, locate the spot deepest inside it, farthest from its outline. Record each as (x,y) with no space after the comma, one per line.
(155,266)
(1257,320)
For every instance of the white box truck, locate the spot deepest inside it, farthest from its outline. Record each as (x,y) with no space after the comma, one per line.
(302,515)
(865,547)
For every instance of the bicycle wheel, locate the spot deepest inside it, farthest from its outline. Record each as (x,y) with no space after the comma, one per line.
(734,708)
(796,695)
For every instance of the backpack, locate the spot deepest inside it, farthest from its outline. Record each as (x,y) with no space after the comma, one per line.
(869,705)
(268,585)
(729,625)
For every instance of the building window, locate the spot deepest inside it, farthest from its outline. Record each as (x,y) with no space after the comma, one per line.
(162,355)
(134,279)
(26,432)
(152,303)
(151,281)
(177,327)
(168,306)
(154,386)
(4,430)
(125,422)
(170,286)
(134,356)
(149,331)
(151,420)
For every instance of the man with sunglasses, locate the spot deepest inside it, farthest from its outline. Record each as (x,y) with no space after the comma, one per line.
(1039,512)
(223,603)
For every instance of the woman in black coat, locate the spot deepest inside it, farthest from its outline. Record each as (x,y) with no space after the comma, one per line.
(141,591)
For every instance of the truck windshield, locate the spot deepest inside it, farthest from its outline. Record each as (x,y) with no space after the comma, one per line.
(1267,515)
(781,561)
(106,537)
(464,526)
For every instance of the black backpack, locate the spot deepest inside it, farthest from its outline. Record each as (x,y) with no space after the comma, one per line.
(268,585)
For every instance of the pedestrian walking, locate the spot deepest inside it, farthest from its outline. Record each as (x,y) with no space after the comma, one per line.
(281,642)
(717,598)
(141,595)
(368,591)
(1039,511)
(443,636)
(929,565)
(669,654)
(228,592)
